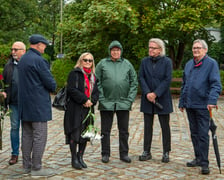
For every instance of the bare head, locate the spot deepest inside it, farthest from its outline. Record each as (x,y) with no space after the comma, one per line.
(18,49)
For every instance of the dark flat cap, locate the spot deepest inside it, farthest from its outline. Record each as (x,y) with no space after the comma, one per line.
(36,38)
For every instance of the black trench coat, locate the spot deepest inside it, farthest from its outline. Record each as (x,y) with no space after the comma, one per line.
(76,112)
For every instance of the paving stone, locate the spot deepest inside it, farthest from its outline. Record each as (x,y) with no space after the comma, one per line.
(57,154)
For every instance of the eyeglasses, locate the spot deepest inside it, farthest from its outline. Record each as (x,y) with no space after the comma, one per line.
(14,49)
(154,47)
(197,48)
(88,60)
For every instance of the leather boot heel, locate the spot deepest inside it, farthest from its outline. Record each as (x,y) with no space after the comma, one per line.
(80,158)
(82,147)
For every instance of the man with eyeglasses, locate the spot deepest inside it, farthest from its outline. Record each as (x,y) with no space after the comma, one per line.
(155,75)
(199,94)
(10,75)
(117,90)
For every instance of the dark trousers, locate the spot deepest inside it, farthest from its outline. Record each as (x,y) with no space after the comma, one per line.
(148,131)
(199,127)
(106,125)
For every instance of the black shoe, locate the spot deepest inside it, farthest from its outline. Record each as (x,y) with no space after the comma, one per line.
(80,158)
(105,158)
(76,164)
(193,163)
(125,159)
(145,156)
(165,157)
(205,170)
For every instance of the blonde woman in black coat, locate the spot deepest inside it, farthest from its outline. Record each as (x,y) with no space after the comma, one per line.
(82,94)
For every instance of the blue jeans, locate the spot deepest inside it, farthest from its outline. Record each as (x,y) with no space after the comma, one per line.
(14,132)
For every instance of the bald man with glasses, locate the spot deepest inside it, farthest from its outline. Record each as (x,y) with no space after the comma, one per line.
(10,75)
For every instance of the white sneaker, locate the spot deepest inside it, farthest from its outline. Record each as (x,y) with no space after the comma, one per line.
(43,172)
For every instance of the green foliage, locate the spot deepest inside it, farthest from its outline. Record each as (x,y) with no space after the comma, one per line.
(22,18)
(4,54)
(1,70)
(222,78)
(91,25)
(177,73)
(60,70)
(215,52)
(180,22)
(222,43)
(15,17)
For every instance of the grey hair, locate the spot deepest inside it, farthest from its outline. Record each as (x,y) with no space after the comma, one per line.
(79,62)
(161,44)
(202,42)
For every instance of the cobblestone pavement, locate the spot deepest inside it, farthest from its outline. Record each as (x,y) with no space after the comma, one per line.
(57,155)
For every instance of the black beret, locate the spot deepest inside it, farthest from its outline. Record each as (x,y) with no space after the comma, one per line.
(36,38)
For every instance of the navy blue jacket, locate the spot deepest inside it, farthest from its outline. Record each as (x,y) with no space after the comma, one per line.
(155,76)
(201,84)
(35,84)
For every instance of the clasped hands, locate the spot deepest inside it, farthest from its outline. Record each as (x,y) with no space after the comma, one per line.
(88,103)
(151,97)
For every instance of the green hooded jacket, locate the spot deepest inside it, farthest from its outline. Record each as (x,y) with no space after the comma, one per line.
(117,82)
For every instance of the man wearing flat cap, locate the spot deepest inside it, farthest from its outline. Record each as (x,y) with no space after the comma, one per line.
(35,85)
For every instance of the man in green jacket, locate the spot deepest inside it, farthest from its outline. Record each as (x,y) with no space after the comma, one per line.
(117,84)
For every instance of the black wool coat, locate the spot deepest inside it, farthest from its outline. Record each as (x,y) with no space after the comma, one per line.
(76,112)
(155,76)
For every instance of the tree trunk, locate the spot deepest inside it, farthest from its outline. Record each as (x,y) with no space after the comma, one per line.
(172,55)
(180,55)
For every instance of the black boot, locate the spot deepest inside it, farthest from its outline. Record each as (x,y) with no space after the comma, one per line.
(75,161)
(82,147)
(165,157)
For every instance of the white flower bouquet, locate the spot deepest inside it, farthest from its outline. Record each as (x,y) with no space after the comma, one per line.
(91,131)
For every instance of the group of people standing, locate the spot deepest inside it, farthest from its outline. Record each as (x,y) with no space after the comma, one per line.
(114,83)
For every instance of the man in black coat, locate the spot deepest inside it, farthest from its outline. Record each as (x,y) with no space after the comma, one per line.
(155,77)
(10,76)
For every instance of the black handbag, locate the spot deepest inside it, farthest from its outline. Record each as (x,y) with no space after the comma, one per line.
(60,100)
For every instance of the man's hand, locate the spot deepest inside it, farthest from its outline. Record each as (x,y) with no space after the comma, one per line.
(151,97)
(210,106)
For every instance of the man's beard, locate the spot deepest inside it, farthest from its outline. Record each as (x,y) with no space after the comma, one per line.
(15,56)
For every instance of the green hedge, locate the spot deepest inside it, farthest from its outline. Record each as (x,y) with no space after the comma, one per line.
(60,69)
